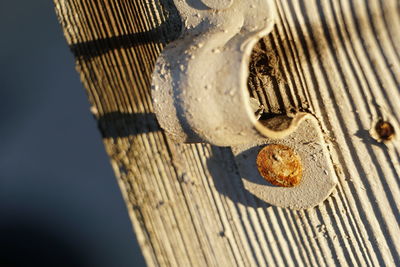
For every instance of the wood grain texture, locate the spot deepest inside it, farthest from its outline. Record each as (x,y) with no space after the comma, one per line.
(338,59)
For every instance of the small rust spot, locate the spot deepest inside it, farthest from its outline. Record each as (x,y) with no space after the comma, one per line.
(280,165)
(385,131)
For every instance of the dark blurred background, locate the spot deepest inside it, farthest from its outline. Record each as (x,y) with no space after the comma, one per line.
(60,204)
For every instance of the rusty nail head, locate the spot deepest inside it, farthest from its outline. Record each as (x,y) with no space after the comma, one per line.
(280,165)
(385,130)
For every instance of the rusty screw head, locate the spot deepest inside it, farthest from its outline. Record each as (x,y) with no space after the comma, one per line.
(385,131)
(280,165)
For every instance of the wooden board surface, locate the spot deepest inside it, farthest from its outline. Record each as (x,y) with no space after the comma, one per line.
(337,59)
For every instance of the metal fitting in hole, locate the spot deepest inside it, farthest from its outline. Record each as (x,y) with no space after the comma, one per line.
(383,131)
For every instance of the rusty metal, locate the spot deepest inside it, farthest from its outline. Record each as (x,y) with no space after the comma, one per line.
(280,165)
(385,131)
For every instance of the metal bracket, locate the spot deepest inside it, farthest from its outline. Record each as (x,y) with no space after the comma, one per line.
(200,93)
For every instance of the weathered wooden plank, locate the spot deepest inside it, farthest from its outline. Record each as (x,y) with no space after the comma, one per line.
(337,59)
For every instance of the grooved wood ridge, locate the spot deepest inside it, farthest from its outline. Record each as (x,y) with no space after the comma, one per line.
(339,59)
